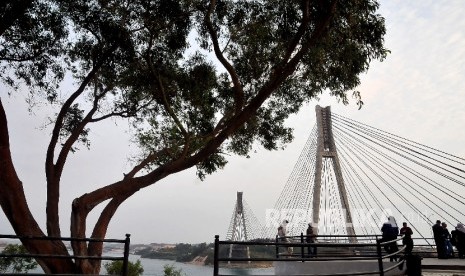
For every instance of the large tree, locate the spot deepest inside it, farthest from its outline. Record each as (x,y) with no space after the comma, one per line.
(197,79)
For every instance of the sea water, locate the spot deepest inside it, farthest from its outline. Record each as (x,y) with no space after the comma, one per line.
(155,267)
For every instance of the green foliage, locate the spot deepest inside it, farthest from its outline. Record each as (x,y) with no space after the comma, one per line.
(182,252)
(170,270)
(32,36)
(16,264)
(175,99)
(162,253)
(187,252)
(116,268)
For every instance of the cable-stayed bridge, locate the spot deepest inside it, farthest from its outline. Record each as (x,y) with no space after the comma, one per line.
(350,176)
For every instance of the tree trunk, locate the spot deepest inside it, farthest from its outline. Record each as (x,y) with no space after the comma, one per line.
(14,205)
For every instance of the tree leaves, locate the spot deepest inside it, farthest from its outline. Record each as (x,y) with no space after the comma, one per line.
(30,45)
(180,100)
(16,264)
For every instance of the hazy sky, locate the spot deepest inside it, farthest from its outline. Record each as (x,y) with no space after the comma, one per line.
(417,92)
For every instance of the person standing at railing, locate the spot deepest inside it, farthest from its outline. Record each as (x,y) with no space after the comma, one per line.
(390,230)
(282,234)
(447,243)
(407,239)
(438,234)
(311,239)
(460,232)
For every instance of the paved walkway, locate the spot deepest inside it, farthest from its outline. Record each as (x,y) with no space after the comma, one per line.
(443,267)
(443,273)
(434,263)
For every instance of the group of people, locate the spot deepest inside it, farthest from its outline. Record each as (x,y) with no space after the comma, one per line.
(390,231)
(445,240)
(310,238)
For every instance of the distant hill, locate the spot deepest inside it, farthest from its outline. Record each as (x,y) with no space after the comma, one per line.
(181,252)
(193,253)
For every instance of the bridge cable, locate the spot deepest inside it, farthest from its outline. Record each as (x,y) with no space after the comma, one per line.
(400,146)
(419,175)
(382,167)
(388,185)
(399,173)
(358,191)
(428,180)
(404,139)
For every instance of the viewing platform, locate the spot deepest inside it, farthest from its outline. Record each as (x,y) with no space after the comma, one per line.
(335,256)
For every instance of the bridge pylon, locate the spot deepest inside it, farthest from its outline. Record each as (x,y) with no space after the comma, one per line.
(238,230)
(326,150)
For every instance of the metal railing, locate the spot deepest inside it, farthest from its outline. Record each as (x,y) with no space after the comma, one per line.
(371,249)
(124,258)
(425,247)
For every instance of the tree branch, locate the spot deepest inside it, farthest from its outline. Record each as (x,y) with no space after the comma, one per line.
(52,175)
(122,114)
(165,102)
(300,32)
(12,198)
(52,171)
(14,204)
(238,91)
(66,148)
(103,221)
(168,106)
(317,33)
(22,59)
(99,232)
(150,158)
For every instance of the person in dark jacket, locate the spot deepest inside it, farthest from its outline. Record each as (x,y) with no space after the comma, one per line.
(311,239)
(390,230)
(438,233)
(447,241)
(460,232)
(407,239)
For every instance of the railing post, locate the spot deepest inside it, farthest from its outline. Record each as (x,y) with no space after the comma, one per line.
(380,257)
(126,255)
(215,255)
(302,247)
(277,247)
